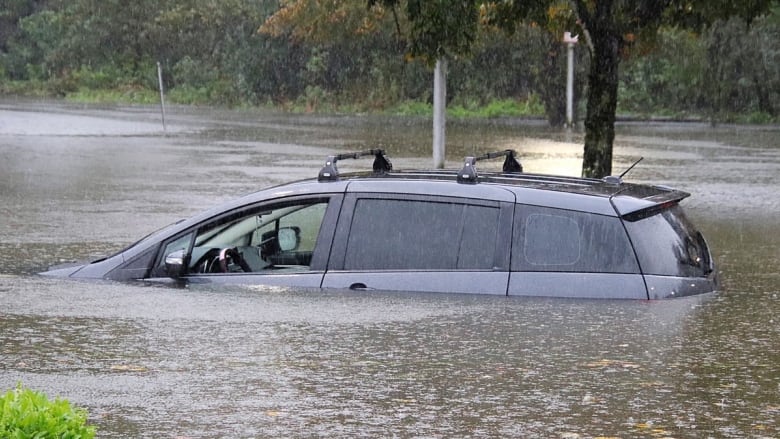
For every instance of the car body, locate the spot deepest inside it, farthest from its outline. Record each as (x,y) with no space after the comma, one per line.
(457,231)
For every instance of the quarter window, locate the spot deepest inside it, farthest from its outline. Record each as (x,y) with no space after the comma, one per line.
(544,232)
(409,235)
(548,239)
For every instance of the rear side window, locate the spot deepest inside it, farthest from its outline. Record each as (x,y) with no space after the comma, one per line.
(421,235)
(667,244)
(548,239)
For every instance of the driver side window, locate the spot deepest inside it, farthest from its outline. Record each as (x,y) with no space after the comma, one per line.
(307,219)
(276,237)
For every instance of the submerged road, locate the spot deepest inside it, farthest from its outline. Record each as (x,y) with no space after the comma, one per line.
(78,182)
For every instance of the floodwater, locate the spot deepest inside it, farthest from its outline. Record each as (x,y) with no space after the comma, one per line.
(78,182)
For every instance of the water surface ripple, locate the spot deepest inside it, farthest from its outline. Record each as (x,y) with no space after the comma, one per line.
(77,182)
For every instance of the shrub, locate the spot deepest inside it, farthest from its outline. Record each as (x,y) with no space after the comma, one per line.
(500,108)
(757,117)
(25,413)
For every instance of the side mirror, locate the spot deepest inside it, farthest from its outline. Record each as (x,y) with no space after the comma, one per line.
(288,238)
(174,264)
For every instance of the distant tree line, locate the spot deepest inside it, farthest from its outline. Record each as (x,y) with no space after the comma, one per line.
(255,52)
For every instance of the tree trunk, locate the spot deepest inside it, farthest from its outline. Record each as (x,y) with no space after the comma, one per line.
(604,42)
(602,104)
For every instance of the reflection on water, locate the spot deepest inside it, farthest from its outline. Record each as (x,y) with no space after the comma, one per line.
(150,361)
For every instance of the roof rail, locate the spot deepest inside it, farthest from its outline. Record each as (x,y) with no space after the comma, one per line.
(469,172)
(330,172)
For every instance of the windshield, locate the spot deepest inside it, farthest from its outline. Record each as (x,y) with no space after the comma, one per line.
(139,241)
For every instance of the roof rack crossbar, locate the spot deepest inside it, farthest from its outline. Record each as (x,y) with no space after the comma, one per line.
(469,172)
(330,172)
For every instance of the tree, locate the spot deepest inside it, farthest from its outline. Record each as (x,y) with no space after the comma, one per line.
(440,29)
(743,67)
(437,29)
(11,12)
(549,20)
(611,28)
(341,42)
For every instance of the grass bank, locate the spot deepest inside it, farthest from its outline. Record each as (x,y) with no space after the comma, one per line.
(221,96)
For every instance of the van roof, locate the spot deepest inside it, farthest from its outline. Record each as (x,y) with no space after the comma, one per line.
(626,198)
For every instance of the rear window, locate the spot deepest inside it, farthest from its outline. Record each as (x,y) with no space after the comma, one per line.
(421,235)
(667,244)
(548,239)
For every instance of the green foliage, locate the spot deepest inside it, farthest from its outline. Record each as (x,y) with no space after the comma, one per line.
(438,28)
(126,94)
(104,77)
(25,413)
(668,79)
(442,28)
(341,56)
(731,72)
(412,108)
(313,97)
(531,107)
(743,75)
(758,117)
(699,14)
(192,95)
(31,88)
(33,52)
(194,73)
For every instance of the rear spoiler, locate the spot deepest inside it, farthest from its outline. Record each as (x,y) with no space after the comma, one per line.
(633,207)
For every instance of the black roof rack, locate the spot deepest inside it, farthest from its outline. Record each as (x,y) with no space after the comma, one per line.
(330,172)
(469,172)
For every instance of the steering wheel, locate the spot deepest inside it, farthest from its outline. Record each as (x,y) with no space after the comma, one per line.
(232,255)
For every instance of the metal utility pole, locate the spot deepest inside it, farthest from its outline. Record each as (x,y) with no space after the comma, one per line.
(570,42)
(439,112)
(162,94)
